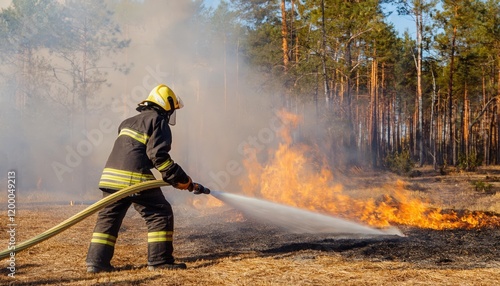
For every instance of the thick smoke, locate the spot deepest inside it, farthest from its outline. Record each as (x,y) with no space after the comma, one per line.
(57,154)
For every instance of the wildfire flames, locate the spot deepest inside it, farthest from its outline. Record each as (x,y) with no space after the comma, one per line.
(291,178)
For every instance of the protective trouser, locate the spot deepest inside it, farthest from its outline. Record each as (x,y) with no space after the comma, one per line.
(157,213)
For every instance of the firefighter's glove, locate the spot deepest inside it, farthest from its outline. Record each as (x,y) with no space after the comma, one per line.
(183,186)
(199,189)
(176,177)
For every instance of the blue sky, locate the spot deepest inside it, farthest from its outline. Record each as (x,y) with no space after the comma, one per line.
(401,23)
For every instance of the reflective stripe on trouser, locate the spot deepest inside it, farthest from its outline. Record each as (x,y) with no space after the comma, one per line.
(157,213)
(159,236)
(103,238)
(101,249)
(159,247)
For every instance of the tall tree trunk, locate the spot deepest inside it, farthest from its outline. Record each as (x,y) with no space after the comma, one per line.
(294,35)
(316,106)
(444,134)
(494,137)
(374,114)
(387,120)
(284,36)
(432,132)
(465,126)
(323,54)
(351,140)
(451,136)
(394,121)
(497,158)
(483,132)
(420,118)
(400,124)
(414,128)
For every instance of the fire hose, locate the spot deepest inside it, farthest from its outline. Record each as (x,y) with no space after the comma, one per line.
(87,212)
(280,214)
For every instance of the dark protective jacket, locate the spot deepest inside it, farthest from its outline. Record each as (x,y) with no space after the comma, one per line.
(143,143)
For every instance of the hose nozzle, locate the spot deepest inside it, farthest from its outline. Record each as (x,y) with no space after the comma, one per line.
(199,189)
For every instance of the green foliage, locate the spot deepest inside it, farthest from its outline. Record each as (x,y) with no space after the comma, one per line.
(399,163)
(264,48)
(482,186)
(254,13)
(469,163)
(344,58)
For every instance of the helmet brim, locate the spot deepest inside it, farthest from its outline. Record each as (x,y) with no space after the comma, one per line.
(180,102)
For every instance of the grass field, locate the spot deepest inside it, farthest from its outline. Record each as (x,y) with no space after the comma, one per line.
(223,247)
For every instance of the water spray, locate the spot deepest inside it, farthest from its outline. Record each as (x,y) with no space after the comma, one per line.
(293,219)
(298,220)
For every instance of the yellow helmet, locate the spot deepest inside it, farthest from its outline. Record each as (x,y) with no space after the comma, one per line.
(164,97)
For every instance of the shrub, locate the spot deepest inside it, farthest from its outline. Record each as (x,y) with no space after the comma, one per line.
(481,186)
(399,163)
(468,163)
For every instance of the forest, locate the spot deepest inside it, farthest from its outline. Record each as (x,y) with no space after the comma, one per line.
(381,98)
(294,111)
(429,97)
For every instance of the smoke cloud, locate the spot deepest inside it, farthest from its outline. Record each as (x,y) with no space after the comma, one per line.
(60,152)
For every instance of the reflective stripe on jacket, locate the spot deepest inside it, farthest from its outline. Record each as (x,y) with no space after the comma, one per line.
(143,143)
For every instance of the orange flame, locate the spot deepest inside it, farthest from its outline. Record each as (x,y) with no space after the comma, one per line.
(291,178)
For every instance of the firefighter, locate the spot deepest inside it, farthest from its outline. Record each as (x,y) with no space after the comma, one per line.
(143,143)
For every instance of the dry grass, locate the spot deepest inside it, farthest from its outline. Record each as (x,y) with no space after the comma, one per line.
(318,270)
(302,268)
(61,259)
(452,191)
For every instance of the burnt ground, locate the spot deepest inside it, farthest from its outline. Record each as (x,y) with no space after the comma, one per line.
(210,242)
(450,249)
(223,247)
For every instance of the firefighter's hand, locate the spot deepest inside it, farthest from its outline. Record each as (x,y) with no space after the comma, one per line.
(183,186)
(198,189)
